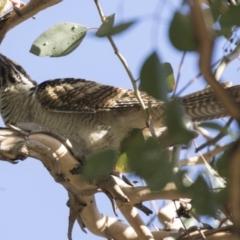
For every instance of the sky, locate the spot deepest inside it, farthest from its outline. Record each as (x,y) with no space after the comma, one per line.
(32,205)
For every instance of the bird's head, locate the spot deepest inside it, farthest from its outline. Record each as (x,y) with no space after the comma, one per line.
(12,75)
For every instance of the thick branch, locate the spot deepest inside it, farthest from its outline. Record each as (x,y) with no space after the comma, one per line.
(28,11)
(60,162)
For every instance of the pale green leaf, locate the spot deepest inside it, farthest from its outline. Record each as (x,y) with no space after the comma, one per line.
(59,40)
(106,26)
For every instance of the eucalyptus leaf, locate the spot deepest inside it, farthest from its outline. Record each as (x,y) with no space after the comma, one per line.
(226,32)
(168,76)
(99,164)
(181,33)
(106,26)
(148,160)
(215,7)
(59,40)
(152,80)
(134,136)
(116,29)
(224,161)
(202,198)
(175,121)
(231,17)
(222,196)
(121,27)
(122,163)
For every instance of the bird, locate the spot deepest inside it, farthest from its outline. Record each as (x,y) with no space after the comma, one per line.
(94,117)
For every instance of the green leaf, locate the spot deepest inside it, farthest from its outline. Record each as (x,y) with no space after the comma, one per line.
(117,29)
(224,161)
(181,33)
(148,160)
(226,32)
(215,9)
(221,196)
(59,40)
(152,79)
(134,136)
(175,121)
(121,27)
(167,139)
(202,198)
(168,76)
(122,163)
(99,164)
(231,17)
(106,26)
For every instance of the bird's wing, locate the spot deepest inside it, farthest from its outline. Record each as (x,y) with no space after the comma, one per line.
(78,95)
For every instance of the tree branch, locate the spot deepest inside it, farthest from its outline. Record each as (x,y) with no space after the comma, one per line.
(62,165)
(28,11)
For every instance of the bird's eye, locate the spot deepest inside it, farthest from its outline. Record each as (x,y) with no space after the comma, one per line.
(20,69)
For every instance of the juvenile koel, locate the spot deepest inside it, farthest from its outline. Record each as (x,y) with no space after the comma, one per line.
(91,115)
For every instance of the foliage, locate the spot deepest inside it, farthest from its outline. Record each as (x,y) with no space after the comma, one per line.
(59,40)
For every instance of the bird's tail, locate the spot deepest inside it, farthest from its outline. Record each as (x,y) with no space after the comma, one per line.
(203,105)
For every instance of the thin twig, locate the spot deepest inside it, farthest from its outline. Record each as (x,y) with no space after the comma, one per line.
(223,63)
(124,63)
(218,178)
(195,78)
(215,139)
(179,73)
(149,121)
(192,161)
(174,201)
(226,60)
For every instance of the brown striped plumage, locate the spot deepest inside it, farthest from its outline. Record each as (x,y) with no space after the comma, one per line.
(203,105)
(93,116)
(79,95)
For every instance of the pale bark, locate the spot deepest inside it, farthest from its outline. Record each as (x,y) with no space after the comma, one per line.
(58,158)
(28,11)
